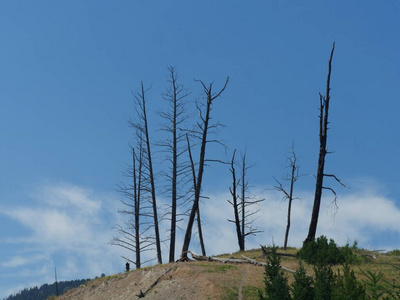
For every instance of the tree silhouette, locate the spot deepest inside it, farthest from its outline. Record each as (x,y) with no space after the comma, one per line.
(175,116)
(323,150)
(204,127)
(288,195)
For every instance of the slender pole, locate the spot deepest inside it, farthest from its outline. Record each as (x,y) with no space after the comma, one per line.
(55,273)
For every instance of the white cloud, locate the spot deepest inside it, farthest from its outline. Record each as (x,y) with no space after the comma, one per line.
(362,216)
(67,195)
(70,227)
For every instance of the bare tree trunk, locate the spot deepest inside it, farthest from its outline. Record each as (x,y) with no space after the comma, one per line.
(131,232)
(242,214)
(323,135)
(243,199)
(174,180)
(175,116)
(136,195)
(235,204)
(205,126)
(203,249)
(151,174)
(293,178)
(174,170)
(200,231)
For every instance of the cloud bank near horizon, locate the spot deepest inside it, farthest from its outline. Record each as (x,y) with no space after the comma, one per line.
(70,227)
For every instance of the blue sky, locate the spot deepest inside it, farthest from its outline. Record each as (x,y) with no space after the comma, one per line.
(68,70)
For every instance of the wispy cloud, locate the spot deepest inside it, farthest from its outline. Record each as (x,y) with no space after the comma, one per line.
(363,215)
(66,226)
(70,227)
(18,261)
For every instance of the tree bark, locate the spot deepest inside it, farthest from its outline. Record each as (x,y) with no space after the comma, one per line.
(323,135)
(235,204)
(243,200)
(174,170)
(136,195)
(200,231)
(151,177)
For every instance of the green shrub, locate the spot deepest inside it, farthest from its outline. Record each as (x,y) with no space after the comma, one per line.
(395,252)
(320,252)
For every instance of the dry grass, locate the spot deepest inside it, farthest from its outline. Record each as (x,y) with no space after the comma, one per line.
(214,280)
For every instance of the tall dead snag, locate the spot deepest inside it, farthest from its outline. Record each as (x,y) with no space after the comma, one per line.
(241,202)
(200,231)
(142,127)
(136,200)
(204,126)
(323,150)
(234,203)
(293,177)
(175,117)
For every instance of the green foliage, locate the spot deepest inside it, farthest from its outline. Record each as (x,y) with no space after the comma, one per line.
(230,294)
(393,291)
(324,282)
(372,284)
(349,254)
(218,268)
(377,290)
(347,287)
(276,284)
(395,252)
(250,292)
(323,253)
(302,287)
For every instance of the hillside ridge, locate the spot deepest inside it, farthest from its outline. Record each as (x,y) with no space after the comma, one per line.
(205,279)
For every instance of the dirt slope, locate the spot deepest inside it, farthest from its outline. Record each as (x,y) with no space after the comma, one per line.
(213,280)
(185,280)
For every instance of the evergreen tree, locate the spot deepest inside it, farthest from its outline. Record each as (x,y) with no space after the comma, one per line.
(276,284)
(302,287)
(324,282)
(347,287)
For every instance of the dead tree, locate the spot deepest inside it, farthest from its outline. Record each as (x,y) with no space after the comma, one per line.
(132,233)
(235,204)
(141,125)
(200,231)
(175,117)
(323,150)
(204,127)
(240,203)
(288,195)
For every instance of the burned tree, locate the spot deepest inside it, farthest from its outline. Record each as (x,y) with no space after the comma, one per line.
(141,126)
(204,126)
(175,116)
(132,234)
(234,203)
(293,176)
(323,150)
(240,203)
(198,218)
